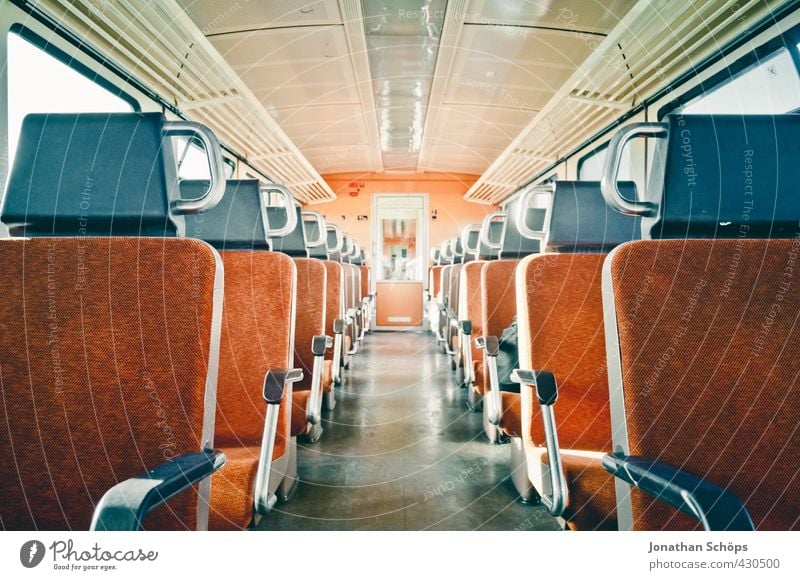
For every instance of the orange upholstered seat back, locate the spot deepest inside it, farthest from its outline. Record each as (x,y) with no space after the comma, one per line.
(103,372)
(562,310)
(452,287)
(709,343)
(334,301)
(257,335)
(470,305)
(366,280)
(435,280)
(444,283)
(310,320)
(498,306)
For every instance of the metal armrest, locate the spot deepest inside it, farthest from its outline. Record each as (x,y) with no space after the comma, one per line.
(274,390)
(491,346)
(366,315)
(547,392)
(352,318)
(716,508)
(465,326)
(319,344)
(124,506)
(338,342)
(450,323)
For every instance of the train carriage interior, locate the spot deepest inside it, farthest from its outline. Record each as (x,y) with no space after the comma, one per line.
(400,265)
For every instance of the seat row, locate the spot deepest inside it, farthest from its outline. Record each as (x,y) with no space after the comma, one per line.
(653,339)
(165,342)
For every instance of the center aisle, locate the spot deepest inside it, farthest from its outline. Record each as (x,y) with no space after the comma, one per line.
(401,452)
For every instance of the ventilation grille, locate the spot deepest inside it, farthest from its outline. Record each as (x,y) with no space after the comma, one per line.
(157,43)
(656,42)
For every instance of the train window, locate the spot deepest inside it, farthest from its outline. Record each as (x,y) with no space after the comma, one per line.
(590,167)
(193,163)
(34,93)
(770,86)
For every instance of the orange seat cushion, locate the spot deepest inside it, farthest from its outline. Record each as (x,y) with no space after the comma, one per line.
(511,417)
(334,299)
(105,347)
(257,331)
(592,500)
(232,489)
(309,315)
(561,330)
(299,406)
(327,376)
(709,344)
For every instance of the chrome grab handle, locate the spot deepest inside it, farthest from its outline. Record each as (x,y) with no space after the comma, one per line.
(339,238)
(608,181)
(321,225)
(524,205)
(454,247)
(216,166)
(465,238)
(446,253)
(291,214)
(488,218)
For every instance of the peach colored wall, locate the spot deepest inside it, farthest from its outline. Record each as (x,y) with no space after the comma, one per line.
(445,195)
(405,300)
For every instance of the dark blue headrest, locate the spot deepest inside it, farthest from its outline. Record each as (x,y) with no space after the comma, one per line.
(331,242)
(581,221)
(515,246)
(95,174)
(457,248)
(495,235)
(294,243)
(236,223)
(473,237)
(726,176)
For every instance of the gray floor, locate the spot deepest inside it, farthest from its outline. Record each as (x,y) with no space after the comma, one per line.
(401,452)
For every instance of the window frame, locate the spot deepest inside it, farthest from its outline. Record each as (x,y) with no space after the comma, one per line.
(789,41)
(50,49)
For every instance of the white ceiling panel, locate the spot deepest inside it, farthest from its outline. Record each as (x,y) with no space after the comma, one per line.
(305,62)
(338,159)
(585,15)
(290,66)
(216,17)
